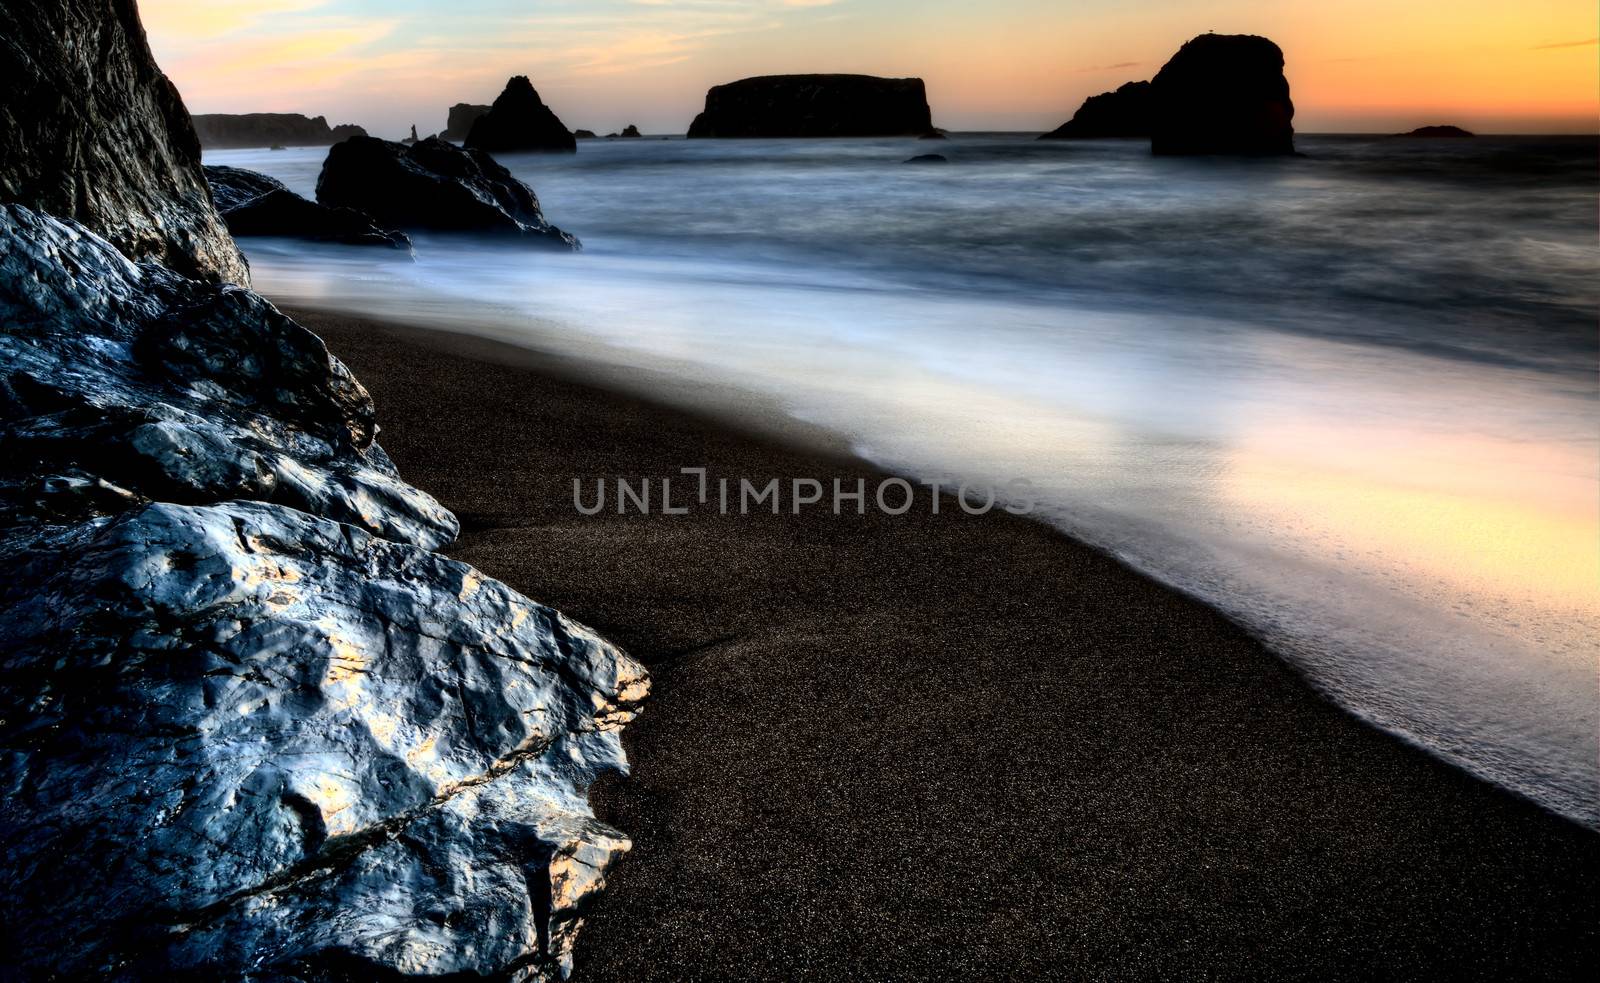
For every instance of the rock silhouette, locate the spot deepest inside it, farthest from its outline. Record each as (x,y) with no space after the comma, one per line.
(1222,94)
(91,130)
(1127,112)
(584,134)
(1438,132)
(255,728)
(815,106)
(630,131)
(519,120)
(224,130)
(434,185)
(459,124)
(257,205)
(928,159)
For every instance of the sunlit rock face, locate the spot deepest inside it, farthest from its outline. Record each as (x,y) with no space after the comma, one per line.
(90,129)
(252,726)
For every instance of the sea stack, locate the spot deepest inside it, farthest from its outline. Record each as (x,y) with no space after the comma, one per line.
(91,130)
(1126,112)
(1222,94)
(815,106)
(519,120)
(220,131)
(459,124)
(1439,133)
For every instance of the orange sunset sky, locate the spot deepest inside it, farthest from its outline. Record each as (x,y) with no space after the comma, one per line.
(1528,66)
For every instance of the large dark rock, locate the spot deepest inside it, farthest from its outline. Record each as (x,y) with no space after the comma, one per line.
(519,120)
(1440,132)
(1127,112)
(90,129)
(630,131)
(1223,94)
(257,205)
(253,727)
(433,185)
(222,130)
(815,106)
(459,123)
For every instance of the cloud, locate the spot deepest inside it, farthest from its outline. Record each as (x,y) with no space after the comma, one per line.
(1567,44)
(175,21)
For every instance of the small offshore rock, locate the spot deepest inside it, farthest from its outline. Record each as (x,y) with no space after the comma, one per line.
(254,204)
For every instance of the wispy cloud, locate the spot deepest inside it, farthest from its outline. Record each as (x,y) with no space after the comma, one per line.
(1567,44)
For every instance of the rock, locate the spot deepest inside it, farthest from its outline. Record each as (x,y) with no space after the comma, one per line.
(459,124)
(519,120)
(269,739)
(90,129)
(220,131)
(1223,94)
(934,134)
(256,205)
(630,131)
(815,106)
(1127,112)
(433,185)
(583,134)
(413,138)
(1439,132)
(929,159)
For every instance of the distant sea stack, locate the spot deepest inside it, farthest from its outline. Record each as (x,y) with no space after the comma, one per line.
(1223,94)
(91,130)
(1440,132)
(459,123)
(222,130)
(815,106)
(1127,112)
(519,120)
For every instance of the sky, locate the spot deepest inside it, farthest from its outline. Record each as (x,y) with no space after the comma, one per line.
(1494,66)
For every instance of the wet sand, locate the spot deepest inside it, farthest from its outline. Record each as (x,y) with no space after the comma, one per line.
(937,746)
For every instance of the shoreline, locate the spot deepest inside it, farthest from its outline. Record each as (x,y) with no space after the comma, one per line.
(934,745)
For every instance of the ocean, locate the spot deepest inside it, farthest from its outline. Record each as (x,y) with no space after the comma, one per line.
(1348,398)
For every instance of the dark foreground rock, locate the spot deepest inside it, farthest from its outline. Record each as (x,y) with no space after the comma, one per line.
(520,121)
(223,130)
(91,129)
(253,727)
(433,185)
(815,106)
(1222,94)
(254,204)
(459,123)
(1127,112)
(1440,132)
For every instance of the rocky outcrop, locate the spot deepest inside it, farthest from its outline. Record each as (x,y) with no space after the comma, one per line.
(630,131)
(1439,132)
(220,131)
(459,123)
(90,129)
(1222,94)
(815,106)
(584,134)
(434,185)
(257,205)
(413,138)
(254,728)
(520,121)
(1127,112)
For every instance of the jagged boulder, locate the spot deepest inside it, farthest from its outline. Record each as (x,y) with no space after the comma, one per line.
(459,123)
(254,204)
(220,131)
(1222,94)
(815,106)
(254,729)
(90,129)
(434,185)
(1127,112)
(520,121)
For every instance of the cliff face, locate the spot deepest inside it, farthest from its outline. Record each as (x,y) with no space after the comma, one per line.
(91,130)
(1223,94)
(1126,112)
(815,106)
(519,121)
(223,130)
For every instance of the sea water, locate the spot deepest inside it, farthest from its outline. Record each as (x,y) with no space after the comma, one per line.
(1349,398)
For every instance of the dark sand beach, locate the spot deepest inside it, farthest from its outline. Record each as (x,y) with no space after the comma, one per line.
(947,746)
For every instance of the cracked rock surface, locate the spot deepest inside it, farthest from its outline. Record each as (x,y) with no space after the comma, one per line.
(250,726)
